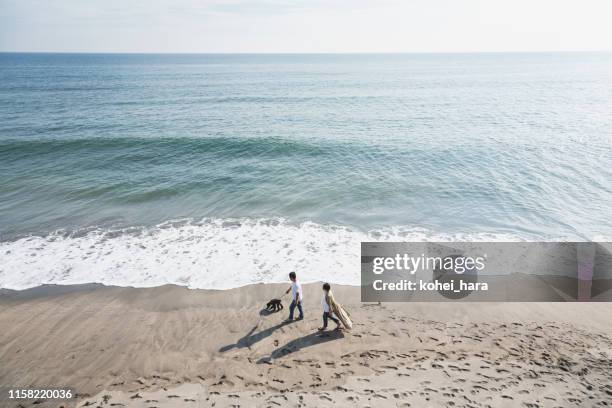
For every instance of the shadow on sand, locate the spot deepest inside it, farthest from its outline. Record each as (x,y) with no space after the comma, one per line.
(265,312)
(301,343)
(251,337)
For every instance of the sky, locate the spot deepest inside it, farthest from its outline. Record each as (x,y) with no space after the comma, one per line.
(302,26)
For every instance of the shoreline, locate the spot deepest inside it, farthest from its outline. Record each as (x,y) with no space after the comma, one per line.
(211,345)
(206,254)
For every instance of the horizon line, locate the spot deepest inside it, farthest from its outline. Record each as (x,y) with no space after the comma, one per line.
(307,53)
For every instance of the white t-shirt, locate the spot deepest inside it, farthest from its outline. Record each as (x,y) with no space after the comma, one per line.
(325,305)
(296,288)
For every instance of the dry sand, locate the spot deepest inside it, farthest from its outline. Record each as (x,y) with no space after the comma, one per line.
(171,346)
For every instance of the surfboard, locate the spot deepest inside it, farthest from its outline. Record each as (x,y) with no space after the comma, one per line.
(342,315)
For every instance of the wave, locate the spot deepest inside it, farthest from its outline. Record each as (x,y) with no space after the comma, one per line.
(206,254)
(230,146)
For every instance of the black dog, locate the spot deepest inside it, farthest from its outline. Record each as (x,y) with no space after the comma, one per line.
(274,305)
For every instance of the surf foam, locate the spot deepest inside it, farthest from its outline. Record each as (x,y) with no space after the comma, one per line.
(210,254)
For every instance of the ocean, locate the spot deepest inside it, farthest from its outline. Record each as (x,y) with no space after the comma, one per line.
(216,171)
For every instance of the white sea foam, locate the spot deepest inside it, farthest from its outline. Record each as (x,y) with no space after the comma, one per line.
(212,254)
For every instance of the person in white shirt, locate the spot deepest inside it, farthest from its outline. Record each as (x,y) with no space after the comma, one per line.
(327,313)
(296,290)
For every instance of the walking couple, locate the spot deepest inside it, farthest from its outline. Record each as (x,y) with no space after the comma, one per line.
(332,310)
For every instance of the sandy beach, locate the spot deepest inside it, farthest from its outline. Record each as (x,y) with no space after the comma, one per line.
(172,346)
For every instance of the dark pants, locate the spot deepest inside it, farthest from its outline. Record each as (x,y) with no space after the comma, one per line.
(327,315)
(292,308)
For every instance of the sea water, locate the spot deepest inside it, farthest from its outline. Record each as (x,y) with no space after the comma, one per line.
(215,171)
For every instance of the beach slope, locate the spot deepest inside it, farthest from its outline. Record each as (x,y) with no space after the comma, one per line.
(172,346)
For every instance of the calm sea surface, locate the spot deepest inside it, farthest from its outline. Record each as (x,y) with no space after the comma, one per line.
(105,147)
